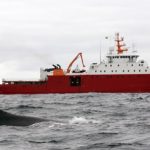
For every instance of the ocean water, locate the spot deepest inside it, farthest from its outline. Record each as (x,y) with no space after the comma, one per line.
(92,121)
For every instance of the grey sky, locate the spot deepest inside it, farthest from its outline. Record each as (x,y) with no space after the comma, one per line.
(38,33)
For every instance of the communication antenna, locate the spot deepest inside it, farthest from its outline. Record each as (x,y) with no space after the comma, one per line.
(100,56)
(133,48)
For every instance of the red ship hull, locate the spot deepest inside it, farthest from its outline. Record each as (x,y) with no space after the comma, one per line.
(132,83)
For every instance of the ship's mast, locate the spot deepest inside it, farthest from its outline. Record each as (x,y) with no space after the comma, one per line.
(120,46)
(100,52)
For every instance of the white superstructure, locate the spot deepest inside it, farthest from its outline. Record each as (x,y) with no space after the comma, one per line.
(120,62)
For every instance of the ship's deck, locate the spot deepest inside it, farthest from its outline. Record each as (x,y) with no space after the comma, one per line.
(22,82)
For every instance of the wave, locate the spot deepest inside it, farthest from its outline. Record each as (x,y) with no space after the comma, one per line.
(74,121)
(56,125)
(27,106)
(110,145)
(55,141)
(23,107)
(82,120)
(61,103)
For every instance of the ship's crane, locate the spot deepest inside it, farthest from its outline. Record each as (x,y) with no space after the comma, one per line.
(77,56)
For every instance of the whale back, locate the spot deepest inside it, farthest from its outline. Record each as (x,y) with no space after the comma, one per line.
(9,119)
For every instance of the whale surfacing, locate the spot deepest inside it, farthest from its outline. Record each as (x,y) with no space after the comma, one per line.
(9,119)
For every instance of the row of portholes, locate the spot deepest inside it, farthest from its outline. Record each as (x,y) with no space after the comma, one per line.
(122,71)
(135,71)
(119,65)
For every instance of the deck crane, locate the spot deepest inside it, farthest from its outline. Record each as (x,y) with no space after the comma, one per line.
(70,65)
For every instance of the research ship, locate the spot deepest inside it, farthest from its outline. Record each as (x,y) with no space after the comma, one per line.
(121,72)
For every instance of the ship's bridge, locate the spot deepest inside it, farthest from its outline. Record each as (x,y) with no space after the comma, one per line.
(132,58)
(120,61)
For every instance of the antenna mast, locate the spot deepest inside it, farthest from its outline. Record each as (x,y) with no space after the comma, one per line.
(100,59)
(120,46)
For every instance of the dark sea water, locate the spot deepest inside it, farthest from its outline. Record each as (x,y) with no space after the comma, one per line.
(92,121)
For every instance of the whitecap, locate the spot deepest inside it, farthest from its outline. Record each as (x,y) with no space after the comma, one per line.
(56,125)
(82,120)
